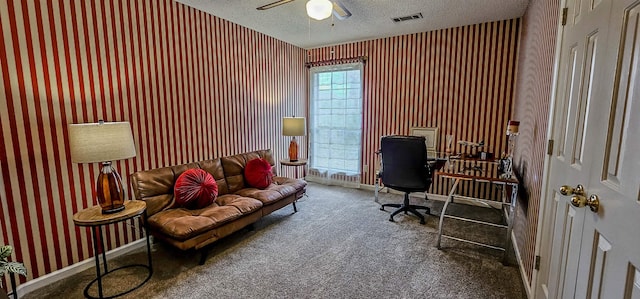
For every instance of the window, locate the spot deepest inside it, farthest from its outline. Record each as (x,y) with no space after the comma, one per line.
(336,121)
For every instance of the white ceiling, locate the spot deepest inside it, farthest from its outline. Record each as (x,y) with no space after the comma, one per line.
(371,19)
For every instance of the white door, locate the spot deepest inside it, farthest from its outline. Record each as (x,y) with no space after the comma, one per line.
(596,127)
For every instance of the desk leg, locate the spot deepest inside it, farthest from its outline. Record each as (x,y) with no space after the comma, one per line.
(97,234)
(512,205)
(444,209)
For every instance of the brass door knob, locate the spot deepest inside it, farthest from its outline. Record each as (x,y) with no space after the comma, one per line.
(594,203)
(580,201)
(568,190)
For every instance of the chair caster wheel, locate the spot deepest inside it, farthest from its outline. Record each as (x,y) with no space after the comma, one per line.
(381,208)
(391,220)
(422,222)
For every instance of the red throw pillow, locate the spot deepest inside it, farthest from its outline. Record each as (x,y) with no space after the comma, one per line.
(258,173)
(195,189)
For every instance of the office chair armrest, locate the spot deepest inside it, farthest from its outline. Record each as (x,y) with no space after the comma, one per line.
(429,170)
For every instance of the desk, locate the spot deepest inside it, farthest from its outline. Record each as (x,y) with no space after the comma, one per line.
(485,171)
(93,217)
(299,162)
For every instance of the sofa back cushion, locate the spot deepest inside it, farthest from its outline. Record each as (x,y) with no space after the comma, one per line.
(155,186)
(234,167)
(267,155)
(214,167)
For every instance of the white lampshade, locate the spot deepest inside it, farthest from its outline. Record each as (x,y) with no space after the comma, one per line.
(319,9)
(294,126)
(101,142)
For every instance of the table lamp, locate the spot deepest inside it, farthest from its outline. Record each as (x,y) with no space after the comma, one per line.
(506,163)
(512,131)
(103,142)
(293,126)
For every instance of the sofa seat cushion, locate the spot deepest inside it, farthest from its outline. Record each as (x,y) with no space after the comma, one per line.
(282,187)
(297,184)
(182,224)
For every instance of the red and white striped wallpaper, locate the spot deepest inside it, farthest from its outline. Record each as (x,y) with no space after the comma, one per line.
(460,80)
(531,107)
(192,85)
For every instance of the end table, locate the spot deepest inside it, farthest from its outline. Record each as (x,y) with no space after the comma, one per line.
(299,162)
(93,218)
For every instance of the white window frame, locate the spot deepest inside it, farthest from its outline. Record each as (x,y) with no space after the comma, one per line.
(352,172)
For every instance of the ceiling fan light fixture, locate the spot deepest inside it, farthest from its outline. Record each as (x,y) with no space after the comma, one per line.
(319,9)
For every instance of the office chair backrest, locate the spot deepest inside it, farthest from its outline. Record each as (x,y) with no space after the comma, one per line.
(404,163)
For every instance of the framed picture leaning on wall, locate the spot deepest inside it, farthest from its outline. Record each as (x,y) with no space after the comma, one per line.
(431,138)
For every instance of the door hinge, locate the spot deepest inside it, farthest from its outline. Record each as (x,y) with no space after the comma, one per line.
(550,147)
(565,12)
(537,263)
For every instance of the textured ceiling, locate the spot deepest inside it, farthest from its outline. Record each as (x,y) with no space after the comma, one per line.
(371,18)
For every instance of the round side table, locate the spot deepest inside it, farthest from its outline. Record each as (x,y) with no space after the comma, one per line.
(295,164)
(93,218)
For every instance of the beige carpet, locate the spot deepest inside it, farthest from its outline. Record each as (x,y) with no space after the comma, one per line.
(338,245)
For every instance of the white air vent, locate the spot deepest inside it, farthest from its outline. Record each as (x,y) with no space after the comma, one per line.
(407,18)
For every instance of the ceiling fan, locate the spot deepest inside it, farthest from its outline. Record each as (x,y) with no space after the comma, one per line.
(317,9)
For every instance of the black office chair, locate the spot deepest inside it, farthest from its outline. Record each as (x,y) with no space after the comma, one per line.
(405,168)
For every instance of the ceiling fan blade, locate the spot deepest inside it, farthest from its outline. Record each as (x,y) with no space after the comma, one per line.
(340,11)
(274,4)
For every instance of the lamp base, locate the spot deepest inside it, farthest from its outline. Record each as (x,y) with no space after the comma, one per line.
(109,190)
(113,211)
(293,150)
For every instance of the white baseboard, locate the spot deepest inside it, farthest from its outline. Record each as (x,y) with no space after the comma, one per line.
(367,187)
(523,273)
(76,268)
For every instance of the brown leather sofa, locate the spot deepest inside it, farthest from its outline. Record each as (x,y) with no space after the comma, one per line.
(237,205)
